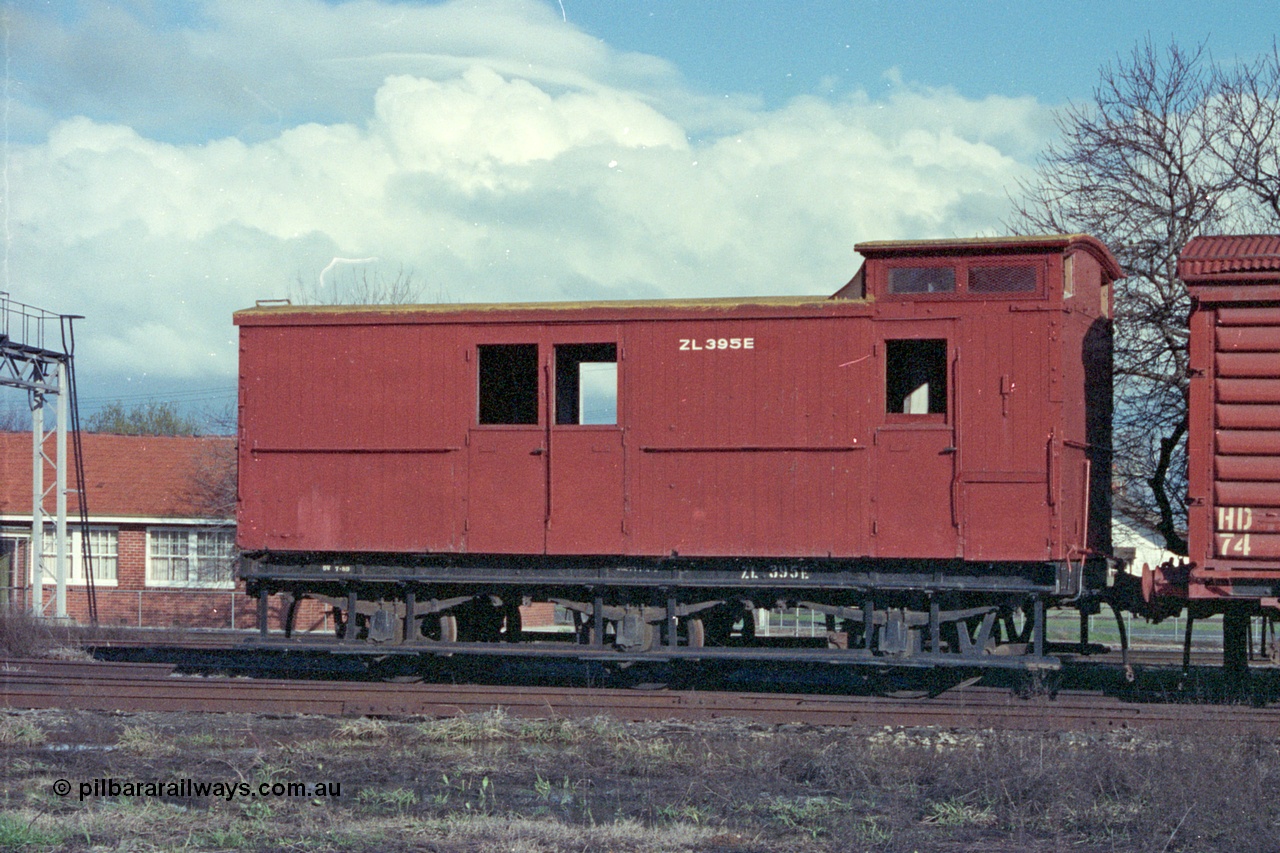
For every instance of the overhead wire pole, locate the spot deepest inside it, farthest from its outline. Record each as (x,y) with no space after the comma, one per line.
(35,551)
(60,490)
(26,363)
(73,403)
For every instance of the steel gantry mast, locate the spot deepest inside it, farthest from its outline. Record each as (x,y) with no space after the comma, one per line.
(33,360)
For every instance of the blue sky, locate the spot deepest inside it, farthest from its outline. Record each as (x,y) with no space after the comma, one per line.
(778,50)
(168,163)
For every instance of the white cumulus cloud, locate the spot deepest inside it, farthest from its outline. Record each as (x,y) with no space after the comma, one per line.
(509,157)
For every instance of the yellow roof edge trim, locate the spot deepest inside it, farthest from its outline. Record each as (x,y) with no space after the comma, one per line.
(457,307)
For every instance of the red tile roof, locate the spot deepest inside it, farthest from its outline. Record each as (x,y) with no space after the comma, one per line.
(1252,255)
(127,475)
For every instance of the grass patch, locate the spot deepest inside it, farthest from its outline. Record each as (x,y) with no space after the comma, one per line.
(470,728)
(394,801)
(361,729)
(494,782)
(956,812)
(497,725)
(20,731)
(145,740)
(19,834)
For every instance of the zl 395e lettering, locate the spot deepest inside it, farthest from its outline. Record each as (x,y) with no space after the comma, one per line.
(920,459)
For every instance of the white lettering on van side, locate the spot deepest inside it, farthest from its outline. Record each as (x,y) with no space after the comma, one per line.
(704,344)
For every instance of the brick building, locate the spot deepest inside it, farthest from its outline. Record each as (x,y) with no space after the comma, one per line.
(161,532)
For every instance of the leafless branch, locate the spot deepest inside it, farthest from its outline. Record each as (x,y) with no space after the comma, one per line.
(1172,146)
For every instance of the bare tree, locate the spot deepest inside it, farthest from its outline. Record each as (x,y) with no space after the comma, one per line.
(347,285)
(213,485)
(1171,147)
(213,480)
(1248,139)
(14,418)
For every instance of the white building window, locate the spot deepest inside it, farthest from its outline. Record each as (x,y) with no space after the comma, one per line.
(181,556)
(104,549)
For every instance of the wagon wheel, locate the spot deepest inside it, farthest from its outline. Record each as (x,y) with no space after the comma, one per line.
(650,636)
(695,632)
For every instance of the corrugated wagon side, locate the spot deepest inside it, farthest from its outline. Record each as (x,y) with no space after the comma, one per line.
(1233,432)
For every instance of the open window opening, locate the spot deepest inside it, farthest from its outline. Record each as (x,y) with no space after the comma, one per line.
(587,384)
(916,377)
(508,391)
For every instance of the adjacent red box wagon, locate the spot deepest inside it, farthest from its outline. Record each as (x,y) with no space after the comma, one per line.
(920,458)
(1234,427)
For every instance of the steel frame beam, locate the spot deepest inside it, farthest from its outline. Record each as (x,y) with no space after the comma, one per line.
(27,364)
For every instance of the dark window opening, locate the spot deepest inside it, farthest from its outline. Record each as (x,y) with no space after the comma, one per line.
(1002,279)
(916,377)
(587,384)
(922,280)
(508,383)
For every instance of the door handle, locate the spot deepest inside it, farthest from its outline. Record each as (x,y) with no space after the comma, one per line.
(537,451)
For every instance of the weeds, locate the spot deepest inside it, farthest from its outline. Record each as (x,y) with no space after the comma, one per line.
(466,793)
(202,740)
(685,813)
(956,812)
(644,755)
(143,740)
(258,810)
(361,729)
(396,801)
(222,839)
(872,830)
(506,783)
(20,731)
(23,636)
(496,725)
(542,788)
(18,834)
(805,814)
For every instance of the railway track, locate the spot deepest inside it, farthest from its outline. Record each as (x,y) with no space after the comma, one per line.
(155,687)
(145,638)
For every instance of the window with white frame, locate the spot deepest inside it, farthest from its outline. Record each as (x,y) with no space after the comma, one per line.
(103,549)
(180,556)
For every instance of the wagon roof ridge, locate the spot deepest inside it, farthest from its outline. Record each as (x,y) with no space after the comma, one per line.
(1210,257)
(1013,243)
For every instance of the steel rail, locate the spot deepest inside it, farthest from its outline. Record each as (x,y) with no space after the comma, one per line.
(152,687)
